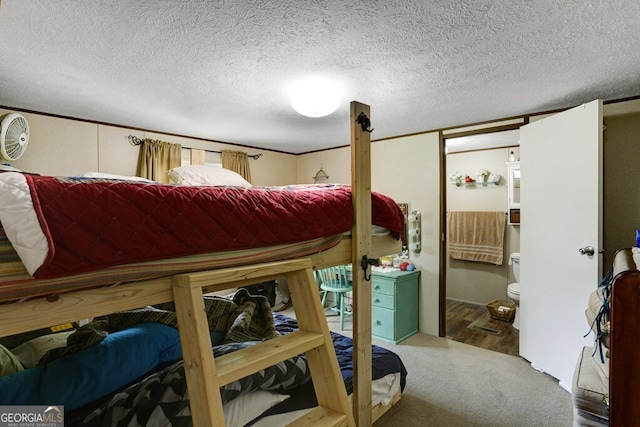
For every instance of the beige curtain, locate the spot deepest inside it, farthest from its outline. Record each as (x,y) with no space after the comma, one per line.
(156,158)
(237,161)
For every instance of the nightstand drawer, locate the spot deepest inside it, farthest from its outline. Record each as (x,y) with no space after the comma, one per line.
(383,286)
(394,304)
(382,322)
(382,300)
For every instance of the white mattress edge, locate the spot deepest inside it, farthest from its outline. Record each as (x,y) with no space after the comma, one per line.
(382,391)
(20,221)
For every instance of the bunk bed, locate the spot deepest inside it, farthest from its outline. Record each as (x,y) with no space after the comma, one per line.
(51,292)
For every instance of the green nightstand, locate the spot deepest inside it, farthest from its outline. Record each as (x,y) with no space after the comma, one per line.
(394,300)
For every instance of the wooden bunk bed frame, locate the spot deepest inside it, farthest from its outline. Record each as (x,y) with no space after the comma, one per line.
(204,375)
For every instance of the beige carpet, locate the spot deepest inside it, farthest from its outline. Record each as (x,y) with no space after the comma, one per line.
(453,384)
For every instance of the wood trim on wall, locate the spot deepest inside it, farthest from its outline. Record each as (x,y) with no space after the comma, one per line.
(481,131)
(525,117)
(442,261)
(134,128)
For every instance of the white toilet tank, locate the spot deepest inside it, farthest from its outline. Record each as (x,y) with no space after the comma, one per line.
(514,260)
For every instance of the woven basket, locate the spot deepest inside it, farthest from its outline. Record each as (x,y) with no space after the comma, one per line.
(502,310)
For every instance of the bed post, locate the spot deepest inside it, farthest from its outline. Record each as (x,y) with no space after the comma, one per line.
(361,246)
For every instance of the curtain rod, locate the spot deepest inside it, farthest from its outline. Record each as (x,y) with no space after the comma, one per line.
(137,141)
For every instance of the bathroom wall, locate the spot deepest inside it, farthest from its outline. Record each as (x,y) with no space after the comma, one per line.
(475,281)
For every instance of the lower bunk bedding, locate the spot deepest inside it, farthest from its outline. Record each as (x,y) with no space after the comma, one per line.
(126,369)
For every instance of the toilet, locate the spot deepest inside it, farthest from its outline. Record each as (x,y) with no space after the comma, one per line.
(513,290)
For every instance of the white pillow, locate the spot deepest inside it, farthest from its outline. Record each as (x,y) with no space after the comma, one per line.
(8,168)
(114,176)
(30,352)
(247,406)
(206,175)
(9,363)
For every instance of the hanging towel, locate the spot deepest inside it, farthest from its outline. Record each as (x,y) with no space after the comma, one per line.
(477,236)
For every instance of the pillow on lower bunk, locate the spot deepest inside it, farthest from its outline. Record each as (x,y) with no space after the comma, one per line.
(30,352)
(75,380)
(243,409)
(9,364)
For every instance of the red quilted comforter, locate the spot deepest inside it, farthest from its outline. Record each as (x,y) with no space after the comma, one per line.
(95,224)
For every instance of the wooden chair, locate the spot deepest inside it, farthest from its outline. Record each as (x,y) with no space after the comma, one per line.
(334,279)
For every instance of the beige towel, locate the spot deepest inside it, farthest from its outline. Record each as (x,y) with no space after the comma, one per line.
(477,236)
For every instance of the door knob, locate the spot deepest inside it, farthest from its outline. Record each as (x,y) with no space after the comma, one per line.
(587,250)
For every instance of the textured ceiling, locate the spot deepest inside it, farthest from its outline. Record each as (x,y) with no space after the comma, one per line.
(221,69)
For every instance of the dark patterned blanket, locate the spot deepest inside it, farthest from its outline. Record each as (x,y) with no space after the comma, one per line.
(161,399)
(243,317)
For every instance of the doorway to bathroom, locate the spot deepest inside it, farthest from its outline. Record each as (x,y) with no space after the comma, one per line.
(478,272)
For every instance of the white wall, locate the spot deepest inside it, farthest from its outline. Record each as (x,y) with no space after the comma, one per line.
(115,153)
(406,169)
(478,282)
(58,146)
(336,163)
(478,198)
(69,147)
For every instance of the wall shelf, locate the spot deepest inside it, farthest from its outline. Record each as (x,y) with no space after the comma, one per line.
(476,184)
(513,192)
(484,179)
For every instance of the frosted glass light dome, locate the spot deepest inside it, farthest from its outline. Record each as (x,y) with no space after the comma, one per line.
(315,97)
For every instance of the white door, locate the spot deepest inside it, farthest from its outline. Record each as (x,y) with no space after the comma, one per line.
(561,205)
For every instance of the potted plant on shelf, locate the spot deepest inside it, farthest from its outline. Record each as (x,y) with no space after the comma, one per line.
(456,178)
(482,175)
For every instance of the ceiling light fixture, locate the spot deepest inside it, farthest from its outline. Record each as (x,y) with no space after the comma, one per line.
(315,97)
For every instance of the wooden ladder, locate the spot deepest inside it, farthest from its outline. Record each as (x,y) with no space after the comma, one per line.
(205,376)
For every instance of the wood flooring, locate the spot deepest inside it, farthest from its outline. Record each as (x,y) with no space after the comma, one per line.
(472,324)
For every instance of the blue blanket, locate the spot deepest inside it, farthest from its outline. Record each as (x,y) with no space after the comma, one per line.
(384,361)
(90,374)
(113,375)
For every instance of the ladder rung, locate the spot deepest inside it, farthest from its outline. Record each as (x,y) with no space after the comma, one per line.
(217,280)
(244,362)
(206,373)
(320,416)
